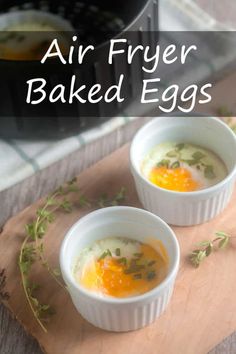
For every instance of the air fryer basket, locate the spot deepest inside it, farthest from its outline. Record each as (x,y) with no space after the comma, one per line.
(91,19)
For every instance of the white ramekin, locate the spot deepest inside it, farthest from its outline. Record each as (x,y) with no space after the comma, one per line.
(110,313)
(185,208)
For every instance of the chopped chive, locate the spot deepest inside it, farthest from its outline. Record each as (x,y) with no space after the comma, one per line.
(151,263)
(175,164)
(135,269)
(137,276)
(117,252)
(163,163)
(151,275)
(209,172)
(105,254)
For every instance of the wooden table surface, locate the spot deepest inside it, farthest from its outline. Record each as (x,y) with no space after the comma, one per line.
(13,338)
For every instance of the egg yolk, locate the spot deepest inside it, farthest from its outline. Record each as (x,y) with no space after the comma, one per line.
(176,179)
(116,279)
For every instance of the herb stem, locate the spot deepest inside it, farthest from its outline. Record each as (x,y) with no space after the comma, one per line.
(25,287)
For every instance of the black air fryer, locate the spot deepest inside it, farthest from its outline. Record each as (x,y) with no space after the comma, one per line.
(94,22)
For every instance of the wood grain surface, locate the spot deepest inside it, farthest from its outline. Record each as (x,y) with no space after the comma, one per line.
(202,311)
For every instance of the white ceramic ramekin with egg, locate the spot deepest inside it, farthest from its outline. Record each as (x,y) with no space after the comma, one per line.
(119,314)
(185,208)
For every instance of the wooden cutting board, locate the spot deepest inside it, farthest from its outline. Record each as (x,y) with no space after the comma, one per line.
(202,311)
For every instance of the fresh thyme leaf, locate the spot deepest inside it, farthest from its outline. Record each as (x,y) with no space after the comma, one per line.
(224,242)
(30,230)
(120,196)
(83,201)
(66,205)
(175,164)
(209,249)
(221,234)
(104,201)
(209,172)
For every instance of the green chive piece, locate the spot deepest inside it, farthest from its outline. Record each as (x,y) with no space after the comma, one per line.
(163,163)
(209,172)
(151,275)
(151,263)
(134,269)
(105,254)
(137,276)
(117,252)
(175,164)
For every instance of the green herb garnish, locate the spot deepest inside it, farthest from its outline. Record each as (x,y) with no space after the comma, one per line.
(134,269)
(164,163)
(117,252)
(207,247)
(175,164)
(105,254)
(209,172)
(105,201)
(151,275)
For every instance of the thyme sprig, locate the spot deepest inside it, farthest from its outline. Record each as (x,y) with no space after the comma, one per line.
(32,248)
(207,247)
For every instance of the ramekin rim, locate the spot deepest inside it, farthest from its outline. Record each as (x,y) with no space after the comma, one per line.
(128,300)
